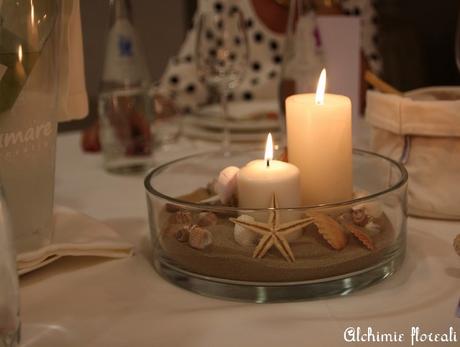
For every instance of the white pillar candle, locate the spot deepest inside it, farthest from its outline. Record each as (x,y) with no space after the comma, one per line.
(260,179)
(320,145)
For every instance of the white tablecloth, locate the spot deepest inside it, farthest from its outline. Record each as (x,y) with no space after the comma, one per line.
(97,302)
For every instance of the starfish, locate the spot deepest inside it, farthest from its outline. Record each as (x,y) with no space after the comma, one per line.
(273,232)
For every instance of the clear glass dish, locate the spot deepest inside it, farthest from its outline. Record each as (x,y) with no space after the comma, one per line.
(217,260)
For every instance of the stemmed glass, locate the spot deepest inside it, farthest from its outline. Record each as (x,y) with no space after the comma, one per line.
(222,55)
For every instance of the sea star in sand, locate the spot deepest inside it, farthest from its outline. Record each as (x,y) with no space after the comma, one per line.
(273,232)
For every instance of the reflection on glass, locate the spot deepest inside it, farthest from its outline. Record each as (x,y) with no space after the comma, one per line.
(222,55)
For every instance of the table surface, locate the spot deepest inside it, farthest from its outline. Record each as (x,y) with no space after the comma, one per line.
(98,302)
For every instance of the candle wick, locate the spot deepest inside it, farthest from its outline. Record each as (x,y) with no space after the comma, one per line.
(268,162)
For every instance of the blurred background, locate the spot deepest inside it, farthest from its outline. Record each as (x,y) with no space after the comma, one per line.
(415,39)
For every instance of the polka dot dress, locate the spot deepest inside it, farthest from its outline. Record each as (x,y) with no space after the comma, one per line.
(182,83)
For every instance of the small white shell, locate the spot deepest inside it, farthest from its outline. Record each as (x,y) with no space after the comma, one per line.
(243,236)
(226,184)
(373,208)
(373,228)
(199,238)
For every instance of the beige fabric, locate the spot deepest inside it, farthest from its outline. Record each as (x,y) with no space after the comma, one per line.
(75,235)
(73,102)
(425,135)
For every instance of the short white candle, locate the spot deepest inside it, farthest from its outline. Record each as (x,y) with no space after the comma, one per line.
(260,179)
(320,145)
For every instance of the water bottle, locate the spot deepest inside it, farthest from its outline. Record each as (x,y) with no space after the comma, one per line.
(124,111)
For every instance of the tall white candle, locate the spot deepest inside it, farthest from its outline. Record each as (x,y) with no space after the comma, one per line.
(260,179)
(320,145)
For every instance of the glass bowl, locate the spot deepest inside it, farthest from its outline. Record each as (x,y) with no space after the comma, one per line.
(348,245)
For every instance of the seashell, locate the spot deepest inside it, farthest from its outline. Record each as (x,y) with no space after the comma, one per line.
(226,184)
(457,244)
(183,217)
(372,208)
(244,237)
(360,234)
(206,219)
(330,230)
(373,227)
(183,234)
(359,217)
(199,238)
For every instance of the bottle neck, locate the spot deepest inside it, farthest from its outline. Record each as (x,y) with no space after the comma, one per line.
(120,9)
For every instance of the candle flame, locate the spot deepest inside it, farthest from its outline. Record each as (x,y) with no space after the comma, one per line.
(269,149)
(321,88)
(20,53)
(32,12)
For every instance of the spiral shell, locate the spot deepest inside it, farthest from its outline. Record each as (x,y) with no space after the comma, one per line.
(457,244)
(206,219)
(243,236)
(359,217)
(199,238)
(182,234)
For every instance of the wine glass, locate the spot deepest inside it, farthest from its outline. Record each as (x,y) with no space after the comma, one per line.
(222,55)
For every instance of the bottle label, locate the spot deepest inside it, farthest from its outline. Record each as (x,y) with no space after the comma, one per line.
(123,62)
(3,69)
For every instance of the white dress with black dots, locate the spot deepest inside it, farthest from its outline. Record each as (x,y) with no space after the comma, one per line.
(181,82)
